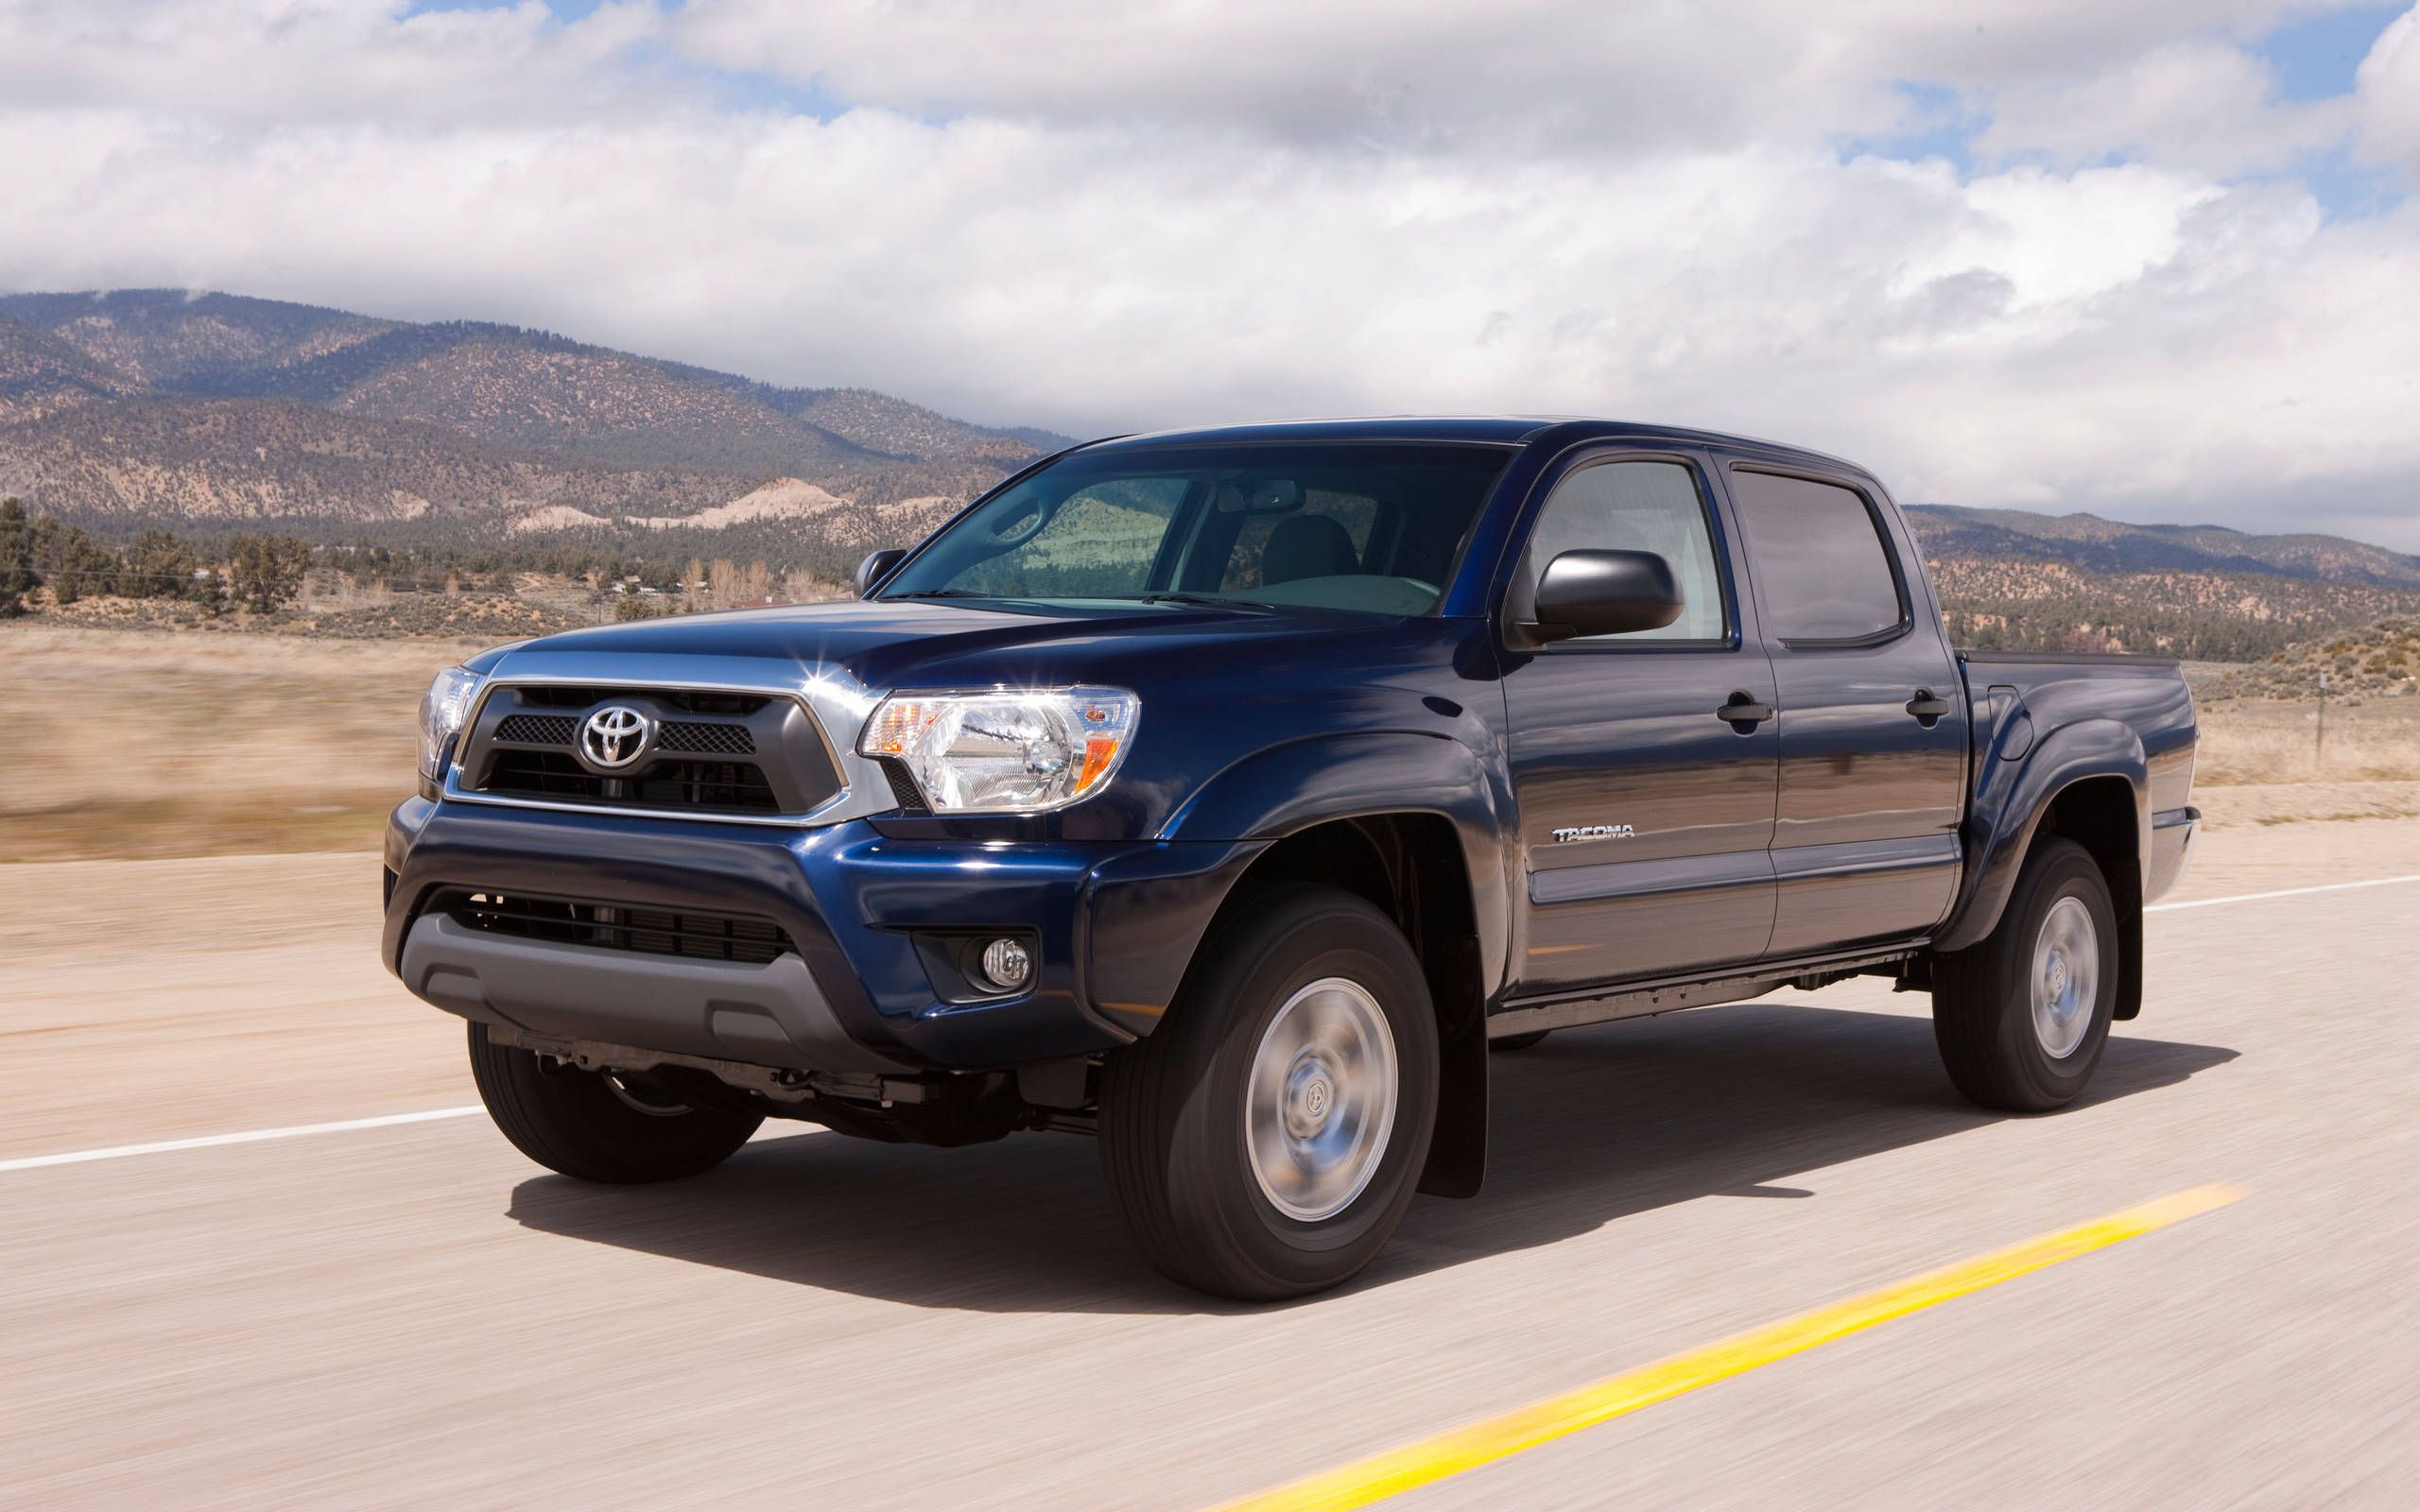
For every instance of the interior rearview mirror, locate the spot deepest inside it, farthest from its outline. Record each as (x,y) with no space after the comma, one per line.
(1605,593)
(876,568)
(1264,496)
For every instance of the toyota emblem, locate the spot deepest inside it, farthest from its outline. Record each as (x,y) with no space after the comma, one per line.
(614,737)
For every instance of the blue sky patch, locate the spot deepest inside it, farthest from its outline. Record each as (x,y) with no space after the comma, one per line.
(1938,124)
(2316,58)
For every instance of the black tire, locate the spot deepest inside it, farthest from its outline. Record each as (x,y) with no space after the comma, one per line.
(574,1122)
(1982,997)
(1173,1106)
(1519,1041)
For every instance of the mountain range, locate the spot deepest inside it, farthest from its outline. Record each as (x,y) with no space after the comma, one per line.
(2099,545)
(158,405)
(210,411)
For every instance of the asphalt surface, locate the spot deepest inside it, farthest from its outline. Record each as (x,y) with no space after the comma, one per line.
(415,1315)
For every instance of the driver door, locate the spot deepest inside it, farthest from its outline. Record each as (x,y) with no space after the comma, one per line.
(1644,814)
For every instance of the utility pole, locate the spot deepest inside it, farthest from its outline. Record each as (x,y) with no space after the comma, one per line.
(2318,751)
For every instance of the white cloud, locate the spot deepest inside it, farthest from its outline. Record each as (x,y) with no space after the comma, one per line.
(1213,213)
(2200,102)
(2389,94)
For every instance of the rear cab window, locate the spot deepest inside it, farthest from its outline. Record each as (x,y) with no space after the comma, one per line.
(1825,572)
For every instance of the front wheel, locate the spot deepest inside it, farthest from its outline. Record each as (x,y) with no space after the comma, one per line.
(596,1127)
(1264,1140)
(2022,1017)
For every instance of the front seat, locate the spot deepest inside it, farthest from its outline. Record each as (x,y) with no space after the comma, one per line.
(1307,545)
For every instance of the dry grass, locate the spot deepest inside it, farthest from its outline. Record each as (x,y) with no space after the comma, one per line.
(2262,741)
(130,743)
(134,744)
(2261,760)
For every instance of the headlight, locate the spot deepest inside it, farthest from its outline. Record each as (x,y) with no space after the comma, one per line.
(1007,751)
(441,709)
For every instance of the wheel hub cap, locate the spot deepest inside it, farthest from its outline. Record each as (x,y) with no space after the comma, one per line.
(2067,978)
(1319,1102)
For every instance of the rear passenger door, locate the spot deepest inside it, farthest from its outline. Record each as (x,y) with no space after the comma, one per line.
(1645,813)
(1871,716)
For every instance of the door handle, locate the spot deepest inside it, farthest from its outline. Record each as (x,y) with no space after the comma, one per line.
(1744,713)
(1928,710)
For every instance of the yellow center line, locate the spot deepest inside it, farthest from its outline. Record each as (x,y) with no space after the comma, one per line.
(1397,1471)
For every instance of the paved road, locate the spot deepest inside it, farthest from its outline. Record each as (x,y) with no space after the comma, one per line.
(415,1315)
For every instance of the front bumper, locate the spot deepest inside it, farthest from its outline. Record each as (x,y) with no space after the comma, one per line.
(1116,923)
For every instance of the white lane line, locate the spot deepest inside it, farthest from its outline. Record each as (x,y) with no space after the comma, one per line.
(2282,892)
(250,1135)
(253,1136)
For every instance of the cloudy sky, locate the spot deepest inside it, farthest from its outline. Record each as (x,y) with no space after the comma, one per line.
(2152,258)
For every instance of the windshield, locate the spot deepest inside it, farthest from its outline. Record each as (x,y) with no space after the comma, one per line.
(1370,526)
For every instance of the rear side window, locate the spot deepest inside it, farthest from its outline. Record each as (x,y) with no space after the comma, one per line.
(1817,554)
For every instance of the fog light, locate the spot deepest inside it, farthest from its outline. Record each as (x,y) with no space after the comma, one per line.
(1006,964)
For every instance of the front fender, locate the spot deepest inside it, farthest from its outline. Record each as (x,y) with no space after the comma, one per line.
(1287,789)
(2012,796)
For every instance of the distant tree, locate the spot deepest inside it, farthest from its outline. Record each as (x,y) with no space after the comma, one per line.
(17,575)
(158,565)
(70,562)
(265,572)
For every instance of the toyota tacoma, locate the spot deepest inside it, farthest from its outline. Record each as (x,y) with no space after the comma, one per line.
(1227,795)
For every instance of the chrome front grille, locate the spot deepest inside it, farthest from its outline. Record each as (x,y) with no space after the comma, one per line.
(708,752)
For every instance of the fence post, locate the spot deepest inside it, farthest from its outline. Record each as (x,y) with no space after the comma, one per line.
(2319,749)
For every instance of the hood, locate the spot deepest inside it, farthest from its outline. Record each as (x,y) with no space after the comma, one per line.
(930,644)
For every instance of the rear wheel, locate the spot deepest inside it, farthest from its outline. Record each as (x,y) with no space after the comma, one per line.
(1264,1140)
(598,1127)
(2022,1017)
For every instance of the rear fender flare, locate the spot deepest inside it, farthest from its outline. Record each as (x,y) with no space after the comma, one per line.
(2011,797)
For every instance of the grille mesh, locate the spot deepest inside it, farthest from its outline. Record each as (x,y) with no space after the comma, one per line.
(708,740)
(903,787)
(537,729)
(618,927)
(671,782)
(674,735)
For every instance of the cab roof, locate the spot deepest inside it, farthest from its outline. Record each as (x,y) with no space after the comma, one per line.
(1499,430)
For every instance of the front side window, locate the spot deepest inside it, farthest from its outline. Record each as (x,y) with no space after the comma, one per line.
(1374,528)
(1816,552)
(1638,506)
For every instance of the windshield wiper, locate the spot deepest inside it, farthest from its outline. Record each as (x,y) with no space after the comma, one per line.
(943,592)
(1198,600)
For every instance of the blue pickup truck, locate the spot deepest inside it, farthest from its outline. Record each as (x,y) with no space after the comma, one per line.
(1229,794)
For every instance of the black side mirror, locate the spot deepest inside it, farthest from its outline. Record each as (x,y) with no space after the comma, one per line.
(1605,593)
(876,568)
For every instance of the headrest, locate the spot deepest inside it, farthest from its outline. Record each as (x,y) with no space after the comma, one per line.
(1307,545)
